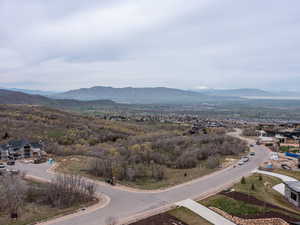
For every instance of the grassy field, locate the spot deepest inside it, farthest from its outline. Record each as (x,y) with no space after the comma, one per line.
(288,149)
(290,173)
(264,192)
(188,216)
(258,188)
(32,213)
(80,164)
(232,206)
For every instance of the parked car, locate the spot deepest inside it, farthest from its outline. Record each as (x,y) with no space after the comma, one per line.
(285,166)
(40,160)
(241,162)
(252,153)
(13,171)
(2,166)
(245,159)
(10,163)
(251,145)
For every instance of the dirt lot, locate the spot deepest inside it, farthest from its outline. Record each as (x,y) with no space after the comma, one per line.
(161,219)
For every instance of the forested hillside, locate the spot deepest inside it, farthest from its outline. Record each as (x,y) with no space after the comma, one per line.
(126,151)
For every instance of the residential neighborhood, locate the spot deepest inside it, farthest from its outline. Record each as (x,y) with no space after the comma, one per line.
(149,112)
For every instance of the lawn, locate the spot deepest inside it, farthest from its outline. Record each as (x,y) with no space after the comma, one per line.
(32,213)
(291,173)
(232,206)
(187,216)
(258,186)
(263,190)
(288,149)
(79,165)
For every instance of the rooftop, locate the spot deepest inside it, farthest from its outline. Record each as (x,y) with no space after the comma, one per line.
(294,185)
(266,139)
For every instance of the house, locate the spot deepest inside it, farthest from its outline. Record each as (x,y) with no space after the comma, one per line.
(292,192)
(281,139)
(267,141)
(19,149)
(4,153)
(36,148)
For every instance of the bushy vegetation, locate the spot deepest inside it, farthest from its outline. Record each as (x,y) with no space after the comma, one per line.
(148,155)
(250,132)
(63,128)
(125,151)
(63,192)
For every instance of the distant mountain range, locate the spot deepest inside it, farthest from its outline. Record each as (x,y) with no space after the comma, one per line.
(14,97)
(247,92)
(31,92)
(135,95)
(235,92)
(157,95)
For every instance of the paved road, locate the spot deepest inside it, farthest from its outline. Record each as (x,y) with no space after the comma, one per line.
(125,203)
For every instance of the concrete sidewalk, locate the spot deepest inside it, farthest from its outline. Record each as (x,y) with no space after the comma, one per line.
(204,212)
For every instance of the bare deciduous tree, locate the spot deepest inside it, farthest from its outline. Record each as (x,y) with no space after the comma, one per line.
(12,193)
(66,190)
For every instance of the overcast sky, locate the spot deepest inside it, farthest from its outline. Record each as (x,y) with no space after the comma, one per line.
(61,45)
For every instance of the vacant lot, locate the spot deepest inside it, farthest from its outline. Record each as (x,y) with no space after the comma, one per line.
(80,165)
(178,216)
(188,216)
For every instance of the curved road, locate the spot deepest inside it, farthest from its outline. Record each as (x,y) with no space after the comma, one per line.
(125,204)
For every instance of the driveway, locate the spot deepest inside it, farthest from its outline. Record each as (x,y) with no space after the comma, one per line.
(126,204)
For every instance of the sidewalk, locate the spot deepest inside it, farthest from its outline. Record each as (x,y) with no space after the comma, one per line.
(204,212)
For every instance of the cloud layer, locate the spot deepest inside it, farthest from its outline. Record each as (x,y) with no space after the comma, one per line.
(60,45)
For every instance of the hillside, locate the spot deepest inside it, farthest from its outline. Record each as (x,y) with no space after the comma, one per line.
(133,95)
(56,126)
(31,92)
(14,97)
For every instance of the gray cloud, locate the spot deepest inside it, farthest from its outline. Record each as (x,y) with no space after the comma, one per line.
(222,44)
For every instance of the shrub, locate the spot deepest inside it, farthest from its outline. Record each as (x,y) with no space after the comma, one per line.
(12,193)
(67,190)
(213,162)
(243,180)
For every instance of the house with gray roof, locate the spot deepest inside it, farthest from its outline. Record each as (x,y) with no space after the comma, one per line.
(4,152)
(19,149)
(292,192)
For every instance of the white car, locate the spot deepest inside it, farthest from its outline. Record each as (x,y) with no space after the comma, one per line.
(241,162)
(245,159)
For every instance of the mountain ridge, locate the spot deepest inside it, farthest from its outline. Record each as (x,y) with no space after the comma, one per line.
(133,95)
(14,97)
